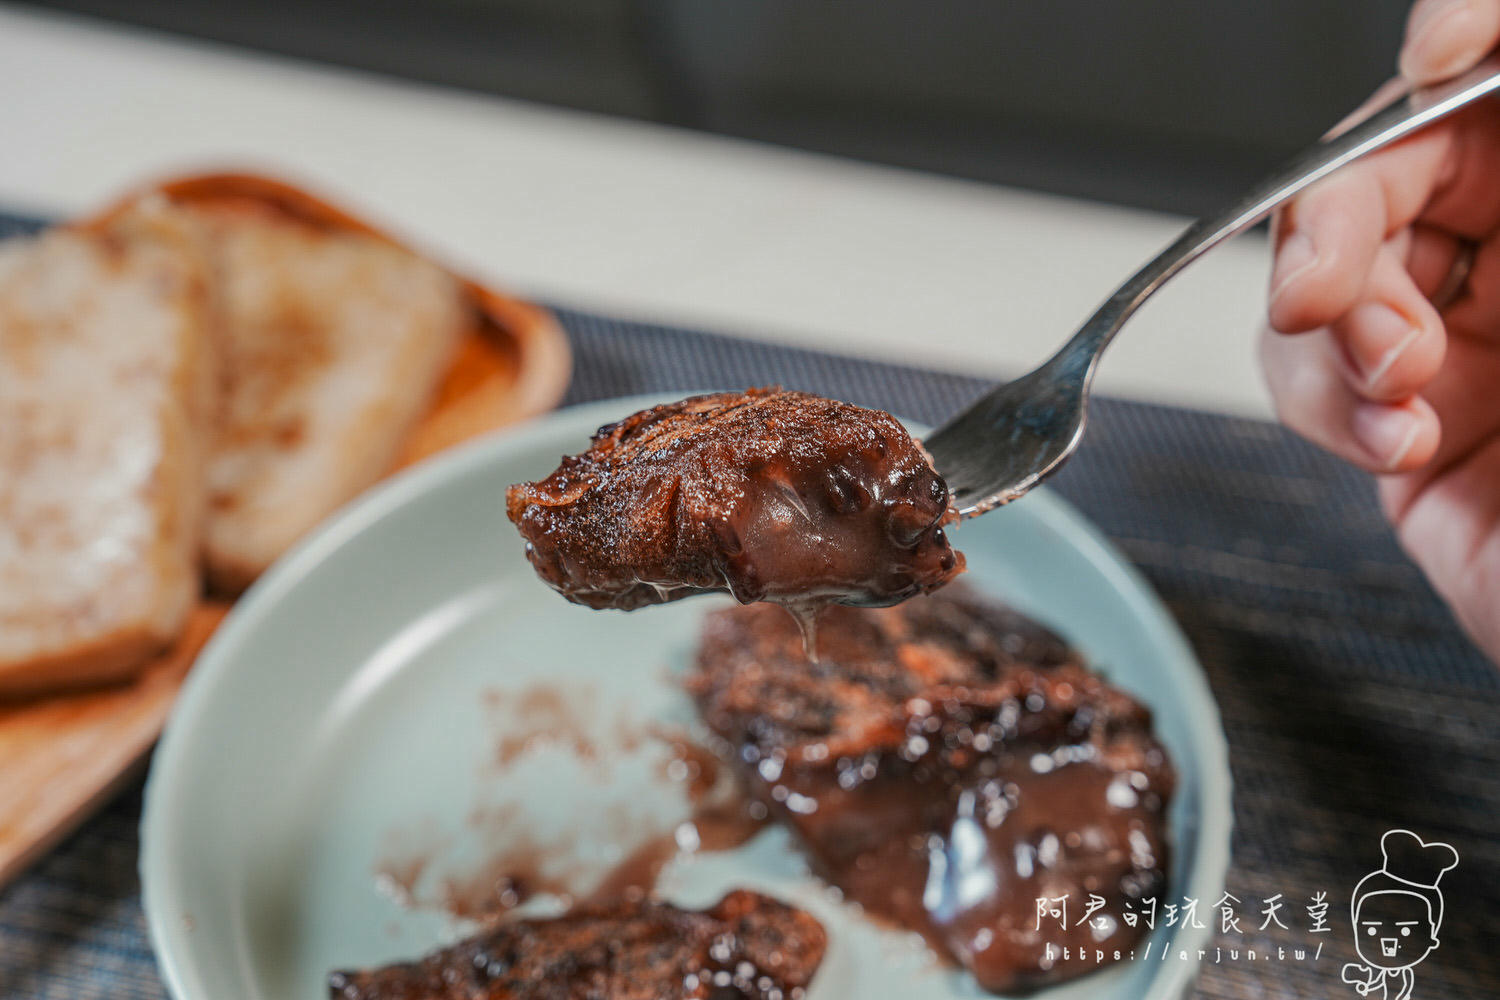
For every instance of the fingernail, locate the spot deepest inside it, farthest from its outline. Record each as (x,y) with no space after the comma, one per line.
(1440,42)
(1386,326)
(1296,257)
(1386,432)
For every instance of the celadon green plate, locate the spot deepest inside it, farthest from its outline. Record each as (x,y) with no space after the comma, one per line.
(400,697)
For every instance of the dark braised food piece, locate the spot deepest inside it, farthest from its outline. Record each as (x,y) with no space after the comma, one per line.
(770,495)
(947,764)
(746,947)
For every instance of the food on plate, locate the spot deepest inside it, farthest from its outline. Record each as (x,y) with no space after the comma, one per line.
(947,764)
(746,947)
(771,495)
(333,343)
(105,381)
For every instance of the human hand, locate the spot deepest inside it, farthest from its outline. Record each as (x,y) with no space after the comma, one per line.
(1375,352)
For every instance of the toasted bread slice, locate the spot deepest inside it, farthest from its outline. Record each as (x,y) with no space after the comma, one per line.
(333,344)
(105,381)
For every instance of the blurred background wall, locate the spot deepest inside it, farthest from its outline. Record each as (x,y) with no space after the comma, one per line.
(1167,104)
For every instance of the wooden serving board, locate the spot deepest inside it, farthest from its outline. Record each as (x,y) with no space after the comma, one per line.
(62,756)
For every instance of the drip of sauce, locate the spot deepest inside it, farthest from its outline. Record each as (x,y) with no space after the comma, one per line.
(805,614)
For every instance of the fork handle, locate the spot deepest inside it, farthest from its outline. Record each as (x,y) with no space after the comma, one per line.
(1403,116)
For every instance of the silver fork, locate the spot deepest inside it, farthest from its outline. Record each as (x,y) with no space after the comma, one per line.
(1020,433)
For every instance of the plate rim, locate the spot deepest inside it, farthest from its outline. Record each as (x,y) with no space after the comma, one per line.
(163,783)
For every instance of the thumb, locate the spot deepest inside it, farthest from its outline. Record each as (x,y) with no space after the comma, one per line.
(1447,37)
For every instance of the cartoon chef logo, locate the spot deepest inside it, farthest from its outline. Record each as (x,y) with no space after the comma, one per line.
(1397,912)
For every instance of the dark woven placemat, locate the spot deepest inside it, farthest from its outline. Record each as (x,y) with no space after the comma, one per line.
(1352,703)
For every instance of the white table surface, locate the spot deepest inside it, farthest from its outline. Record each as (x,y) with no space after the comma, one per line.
(633,219)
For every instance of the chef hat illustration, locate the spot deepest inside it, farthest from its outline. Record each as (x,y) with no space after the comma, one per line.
(1410,864)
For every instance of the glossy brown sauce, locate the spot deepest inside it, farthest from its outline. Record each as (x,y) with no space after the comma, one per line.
(769,495)
(946,765)
(966,870)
